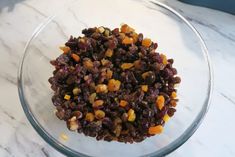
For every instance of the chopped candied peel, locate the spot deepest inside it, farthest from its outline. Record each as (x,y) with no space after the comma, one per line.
(65,49)
(75,57)
(146,42)
(166,118)
(131,115)
(67,97)
(109,53)
(125,66)
(144,88)
(114,85)
(160,102)
(155,130)
(123,103)
(127,40)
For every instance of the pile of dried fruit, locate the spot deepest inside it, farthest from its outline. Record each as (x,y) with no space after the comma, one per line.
(113,85)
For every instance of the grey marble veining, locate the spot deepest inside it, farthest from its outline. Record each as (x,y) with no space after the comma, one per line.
(18,20)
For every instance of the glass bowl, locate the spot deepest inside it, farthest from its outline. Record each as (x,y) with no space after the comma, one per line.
(176,37)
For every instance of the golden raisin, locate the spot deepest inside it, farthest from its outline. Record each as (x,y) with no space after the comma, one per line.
(173,95)
(146,42)
(123,103)
(76,91)
(109,74)
(135,37)
(114,85)
(126,29)
(104,61)
(90,117)
(144,75)
(67,97)
(137,64)
(66,49)
(75,57)
(98,103)
(88,64)
(99,114)
(109,53)
(127,40)
(166,118)
(131,115)
(144,88)
(101,29)
(160,102)
(101,88)
(173,103)
(164,59)
(125,66)
(92,98)
(155,130)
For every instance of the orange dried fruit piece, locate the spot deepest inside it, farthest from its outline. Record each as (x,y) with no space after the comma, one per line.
(98,103)
(173,95)
(131,115)
(135,37)
(126,29)
(89,117)
(144,88)
(114,85)
(127,40)
(101,88)
(75,57)
(164,59)
(160,102)
(109,53)
(123,103)
(155,130)
(125,66)
(99,114)
(146,42)
(65,49)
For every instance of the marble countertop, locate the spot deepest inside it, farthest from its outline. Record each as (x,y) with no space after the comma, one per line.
(215,137)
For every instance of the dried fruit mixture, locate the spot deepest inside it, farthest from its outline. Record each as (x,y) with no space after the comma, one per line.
(113,85)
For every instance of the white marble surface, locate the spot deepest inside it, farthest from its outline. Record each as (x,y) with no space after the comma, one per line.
(216,135)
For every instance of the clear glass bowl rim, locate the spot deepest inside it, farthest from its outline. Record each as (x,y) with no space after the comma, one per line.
(162,152)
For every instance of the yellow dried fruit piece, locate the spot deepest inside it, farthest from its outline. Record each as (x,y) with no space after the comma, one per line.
(131,115)
(155,130)
(166,118)
(122,35)
(76,91)
(67,97)
(135,37)
(173,95)
(75,57)
(109,74)
(89,117)
(109,53)
(104,61)
(92,98)
(144,88)
(127,40)
(64,137)
(164,59)
(125,66)
(65,49)
(101,29)
(146,42)
(101,88)
(123,103)
(98,103)
(99,114)
(114,85)
(160,102)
